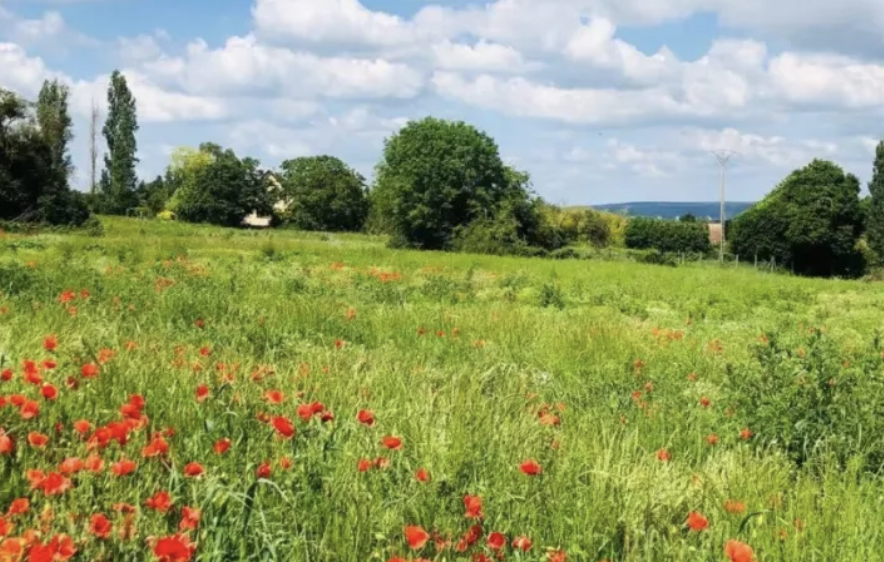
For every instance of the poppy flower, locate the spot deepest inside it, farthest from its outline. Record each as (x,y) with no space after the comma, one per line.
(712,439)
(18,506)
(55,484)
(274,396)
(63,548)
(365,417)
(496,541)
(50,342)
(93,463)
(305,412)
(745,434)
(6,375)
(522,543)
(263,470)
(416,537)
(696,521)
(557,556)
(124,467)
(364,465)
(284,426)
(100,526)
(177,548)
(71,466)
(38,440)
(7,445)
(193,470)
(190,518)
(704,402)
(738,552)
(161,501)
(473,507)
(49,392)
(202,392)
(422,475)
(663,455)
(221,446)
(89,371)
(530,467)
(5,527)
(392,443)
(29,410)
(286,463)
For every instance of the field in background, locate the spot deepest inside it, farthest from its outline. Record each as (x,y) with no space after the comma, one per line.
(637,390)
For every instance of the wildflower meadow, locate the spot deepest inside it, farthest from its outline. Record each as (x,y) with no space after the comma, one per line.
(174,392)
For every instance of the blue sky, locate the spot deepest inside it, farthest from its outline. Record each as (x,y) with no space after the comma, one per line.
(600,100)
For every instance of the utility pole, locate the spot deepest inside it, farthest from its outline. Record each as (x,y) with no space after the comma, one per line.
(723,156)
(93,148)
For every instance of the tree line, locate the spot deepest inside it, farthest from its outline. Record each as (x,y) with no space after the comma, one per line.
(439,185)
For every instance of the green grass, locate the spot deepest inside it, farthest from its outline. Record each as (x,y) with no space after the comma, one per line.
(338,319)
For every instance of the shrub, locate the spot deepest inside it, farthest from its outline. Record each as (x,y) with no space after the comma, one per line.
(667,236)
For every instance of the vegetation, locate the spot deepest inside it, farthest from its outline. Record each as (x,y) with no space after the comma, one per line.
(301,399)
(811,223)
(874,211)
(118,179)
(323,193)
(667,236)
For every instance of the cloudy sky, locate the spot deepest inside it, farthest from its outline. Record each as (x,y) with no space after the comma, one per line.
(600,100)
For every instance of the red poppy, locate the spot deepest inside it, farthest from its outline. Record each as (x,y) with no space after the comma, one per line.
(49,392)
(286,463)
(38,440)
(161,501)
(177,548)
(100,526)
(381,463)
(18,506)
(263,470)
(392,443)
(557,556)
(221,446)
(55,484)
(745,434)
(416,537)
(305,411)
(190,518)
(712,439)
(284,426)
(697,522)
(496,541)
(89,370)
(522,543)
(274,396)
(365,417)
(5,527)
(738,552)
(6,375)
(530,467)
(29,410)
(473,507)
(7,445)
(202,392)
(663,455)
(422,475)
(49,364)
(124,467)
(71,466)
(93,463)
(193,470)
(364,465)
(704,402)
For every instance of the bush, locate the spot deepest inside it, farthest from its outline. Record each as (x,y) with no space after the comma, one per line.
(667,236)
(323,193)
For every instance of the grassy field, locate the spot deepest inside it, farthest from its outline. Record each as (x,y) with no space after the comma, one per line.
(321,398)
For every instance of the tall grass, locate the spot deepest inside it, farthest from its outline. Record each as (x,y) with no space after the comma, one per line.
(460,356)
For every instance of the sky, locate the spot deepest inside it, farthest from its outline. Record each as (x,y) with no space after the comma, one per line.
(601,101)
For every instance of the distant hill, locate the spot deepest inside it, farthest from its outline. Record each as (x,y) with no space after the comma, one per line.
(673,210)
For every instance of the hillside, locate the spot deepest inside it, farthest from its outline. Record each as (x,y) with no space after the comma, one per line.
(675,209)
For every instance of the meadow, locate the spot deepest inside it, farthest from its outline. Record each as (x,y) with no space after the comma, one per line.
(176,392)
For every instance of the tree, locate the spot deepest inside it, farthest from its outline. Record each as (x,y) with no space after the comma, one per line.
(118,179)
(323,193)
(34,163)
(874,225)
(93,148)
(811,222)
(216,187)
(435,176)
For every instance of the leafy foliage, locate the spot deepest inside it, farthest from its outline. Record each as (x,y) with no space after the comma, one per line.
(811,222)
(436,176)
(118,178)
(874,205)
(323,193)
(219,188)
(667,236)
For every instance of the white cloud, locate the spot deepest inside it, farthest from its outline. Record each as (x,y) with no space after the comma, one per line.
(483,56)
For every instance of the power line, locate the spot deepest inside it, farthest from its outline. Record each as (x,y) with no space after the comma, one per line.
(723,156)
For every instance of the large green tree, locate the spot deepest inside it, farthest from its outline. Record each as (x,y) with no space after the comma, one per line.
(811,222)
(434,177)
(217,187)
(323,193)
(118,178)
(875,211)
(56,127)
